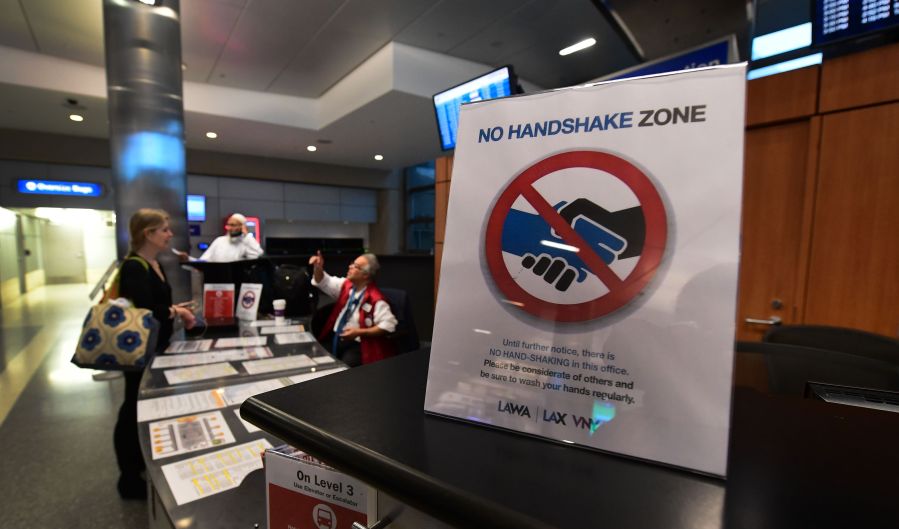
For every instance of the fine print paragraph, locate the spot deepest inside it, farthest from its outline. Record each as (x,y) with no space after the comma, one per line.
(552,368)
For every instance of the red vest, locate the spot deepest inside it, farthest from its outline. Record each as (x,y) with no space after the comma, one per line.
(373,348)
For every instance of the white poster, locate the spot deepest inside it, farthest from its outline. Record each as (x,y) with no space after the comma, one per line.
(248,301)
(589,274)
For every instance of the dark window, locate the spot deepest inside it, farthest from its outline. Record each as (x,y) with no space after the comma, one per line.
(420,208)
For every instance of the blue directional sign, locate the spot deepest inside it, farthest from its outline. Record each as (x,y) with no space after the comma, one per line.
(721,51)
(53,187)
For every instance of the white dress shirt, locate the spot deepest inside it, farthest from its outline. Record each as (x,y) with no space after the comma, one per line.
(226,249)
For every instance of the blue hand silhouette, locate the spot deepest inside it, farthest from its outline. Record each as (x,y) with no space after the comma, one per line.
(527,235)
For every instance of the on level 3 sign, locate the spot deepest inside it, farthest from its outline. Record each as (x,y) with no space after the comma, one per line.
(588,282)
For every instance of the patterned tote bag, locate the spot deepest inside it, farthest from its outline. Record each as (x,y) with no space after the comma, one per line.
(116,338)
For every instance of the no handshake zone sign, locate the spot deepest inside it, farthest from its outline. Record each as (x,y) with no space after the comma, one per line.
(576,236)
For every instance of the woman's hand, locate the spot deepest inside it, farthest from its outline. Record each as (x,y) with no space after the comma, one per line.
(186,316)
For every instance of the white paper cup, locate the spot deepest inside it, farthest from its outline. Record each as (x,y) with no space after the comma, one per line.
(279,305)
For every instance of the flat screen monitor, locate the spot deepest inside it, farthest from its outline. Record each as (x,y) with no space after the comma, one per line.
(492,85)
(836,20)
(196,208)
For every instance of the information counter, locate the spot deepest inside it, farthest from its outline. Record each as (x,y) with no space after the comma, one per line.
(221,484)
(792,462)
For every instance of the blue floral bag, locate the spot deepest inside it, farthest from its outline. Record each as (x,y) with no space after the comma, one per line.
(116,338)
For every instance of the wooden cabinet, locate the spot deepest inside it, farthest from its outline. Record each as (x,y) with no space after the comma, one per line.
(778,188)
(853,275)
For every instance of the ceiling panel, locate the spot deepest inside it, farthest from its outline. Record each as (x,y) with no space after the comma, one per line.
(205,28)
(542,62)
(452,22)
(510,35)
(530,39)
(26,108)
(357,31)
(377,19)
(72,29)
(324,62)
(266,39)
(14,30)
(663,28)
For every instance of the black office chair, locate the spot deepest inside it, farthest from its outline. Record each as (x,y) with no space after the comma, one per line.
(845,340)
(790,367)
(319,317)
(406,335)
(293,284)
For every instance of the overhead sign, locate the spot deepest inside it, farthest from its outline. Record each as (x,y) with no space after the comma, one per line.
(588,286)
(52,187)
(721,51)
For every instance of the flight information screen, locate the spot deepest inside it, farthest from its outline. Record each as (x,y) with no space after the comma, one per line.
(841,19)
(497,83)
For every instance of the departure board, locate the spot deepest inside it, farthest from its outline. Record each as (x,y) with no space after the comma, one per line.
(842,19)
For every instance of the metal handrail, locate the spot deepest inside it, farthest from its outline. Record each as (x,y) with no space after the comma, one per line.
(102,283)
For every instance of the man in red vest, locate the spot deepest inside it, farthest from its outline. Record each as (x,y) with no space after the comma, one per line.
(358,326)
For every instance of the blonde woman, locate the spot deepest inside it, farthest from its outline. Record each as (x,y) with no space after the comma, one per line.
(143,281)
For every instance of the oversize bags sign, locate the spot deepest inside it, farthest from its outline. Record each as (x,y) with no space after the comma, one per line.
(589,275)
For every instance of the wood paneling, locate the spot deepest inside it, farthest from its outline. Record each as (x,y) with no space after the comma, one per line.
(774,199)
(860,79)
(782,97)
(443,172)
(854,267)
(438,257)
(441,201)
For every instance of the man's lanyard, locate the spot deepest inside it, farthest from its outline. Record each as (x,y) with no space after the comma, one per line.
(351,304)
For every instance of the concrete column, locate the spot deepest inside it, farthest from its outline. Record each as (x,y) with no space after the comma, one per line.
(146,119)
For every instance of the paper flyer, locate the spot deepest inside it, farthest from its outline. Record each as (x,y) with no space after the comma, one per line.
(251,428)
(243,341)
(218,300)
(190,433)
(282,329)
(294,337)
(248,301)
(189,346)
(589,275)
(175,405)
(211,357)
(280,363)
(305,377)
(208,474)
(205,372)
(324,359)
(238,393)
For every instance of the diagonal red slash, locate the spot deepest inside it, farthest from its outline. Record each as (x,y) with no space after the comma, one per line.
(587,254)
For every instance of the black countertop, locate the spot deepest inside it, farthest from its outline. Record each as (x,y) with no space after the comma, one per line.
(793,462)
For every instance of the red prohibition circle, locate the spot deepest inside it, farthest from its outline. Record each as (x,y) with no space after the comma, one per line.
(621,291)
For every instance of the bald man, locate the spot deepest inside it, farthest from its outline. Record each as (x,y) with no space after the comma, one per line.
(238,244)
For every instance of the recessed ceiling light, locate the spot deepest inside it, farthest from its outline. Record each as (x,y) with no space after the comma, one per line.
(149,2)
(582,45)
(183,66)
(311,148)
(212,135)
(378,157)
(76,117)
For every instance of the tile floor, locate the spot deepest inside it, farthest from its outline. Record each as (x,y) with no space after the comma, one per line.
(57,466)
